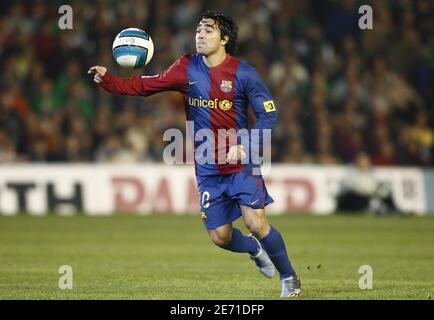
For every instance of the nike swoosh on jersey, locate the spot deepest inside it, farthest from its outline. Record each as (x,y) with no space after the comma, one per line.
(192,82)
(252,203)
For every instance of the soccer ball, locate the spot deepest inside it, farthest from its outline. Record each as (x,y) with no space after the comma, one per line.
(133,48)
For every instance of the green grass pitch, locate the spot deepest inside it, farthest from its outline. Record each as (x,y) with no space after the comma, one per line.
(171,257)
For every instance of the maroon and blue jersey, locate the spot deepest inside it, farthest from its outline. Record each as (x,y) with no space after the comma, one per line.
(214,98)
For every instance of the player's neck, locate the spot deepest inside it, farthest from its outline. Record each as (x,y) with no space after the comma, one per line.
(215,59)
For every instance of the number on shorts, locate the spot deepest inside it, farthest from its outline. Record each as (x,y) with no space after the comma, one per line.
(204,201)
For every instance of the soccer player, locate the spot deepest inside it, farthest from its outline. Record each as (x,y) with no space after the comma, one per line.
(217,90)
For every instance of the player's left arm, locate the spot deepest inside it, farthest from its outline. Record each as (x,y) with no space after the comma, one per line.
(263,106)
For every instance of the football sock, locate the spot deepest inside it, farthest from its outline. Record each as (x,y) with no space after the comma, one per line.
(242,243)
(275,247)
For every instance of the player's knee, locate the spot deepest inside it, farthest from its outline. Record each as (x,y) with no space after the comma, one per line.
(257,226)
(220,239)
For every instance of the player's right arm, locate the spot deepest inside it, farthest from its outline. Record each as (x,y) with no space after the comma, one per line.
(173,79)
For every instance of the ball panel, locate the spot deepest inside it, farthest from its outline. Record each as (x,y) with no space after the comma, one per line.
(132,41)
(150,52)
(141,59)
(127,61)
(134,33)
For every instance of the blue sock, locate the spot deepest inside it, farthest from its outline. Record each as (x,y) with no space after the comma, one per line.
(242,243)
(275,247)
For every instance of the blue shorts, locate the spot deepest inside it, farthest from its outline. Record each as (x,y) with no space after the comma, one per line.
(220,196)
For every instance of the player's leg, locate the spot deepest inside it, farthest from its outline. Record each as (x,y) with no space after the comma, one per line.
(252,196)
(232,239)
(270,239)
(218,211)
(272,242)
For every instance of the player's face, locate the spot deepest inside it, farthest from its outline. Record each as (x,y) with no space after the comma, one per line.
(208,37)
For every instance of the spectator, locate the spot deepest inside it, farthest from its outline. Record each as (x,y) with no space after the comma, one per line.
(362,192)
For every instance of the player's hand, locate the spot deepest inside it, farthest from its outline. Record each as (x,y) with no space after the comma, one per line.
(236,153)
(99,73)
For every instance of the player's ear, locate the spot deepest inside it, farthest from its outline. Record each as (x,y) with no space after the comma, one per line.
(224,40)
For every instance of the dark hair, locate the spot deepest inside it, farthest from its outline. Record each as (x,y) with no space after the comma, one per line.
(226,26)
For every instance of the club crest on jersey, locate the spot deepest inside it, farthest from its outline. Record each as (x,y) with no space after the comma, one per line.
(226,86)
(203,217)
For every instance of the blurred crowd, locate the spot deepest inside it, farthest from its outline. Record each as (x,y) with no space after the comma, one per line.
(340,90)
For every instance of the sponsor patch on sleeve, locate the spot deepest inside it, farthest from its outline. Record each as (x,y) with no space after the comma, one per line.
(269,106)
